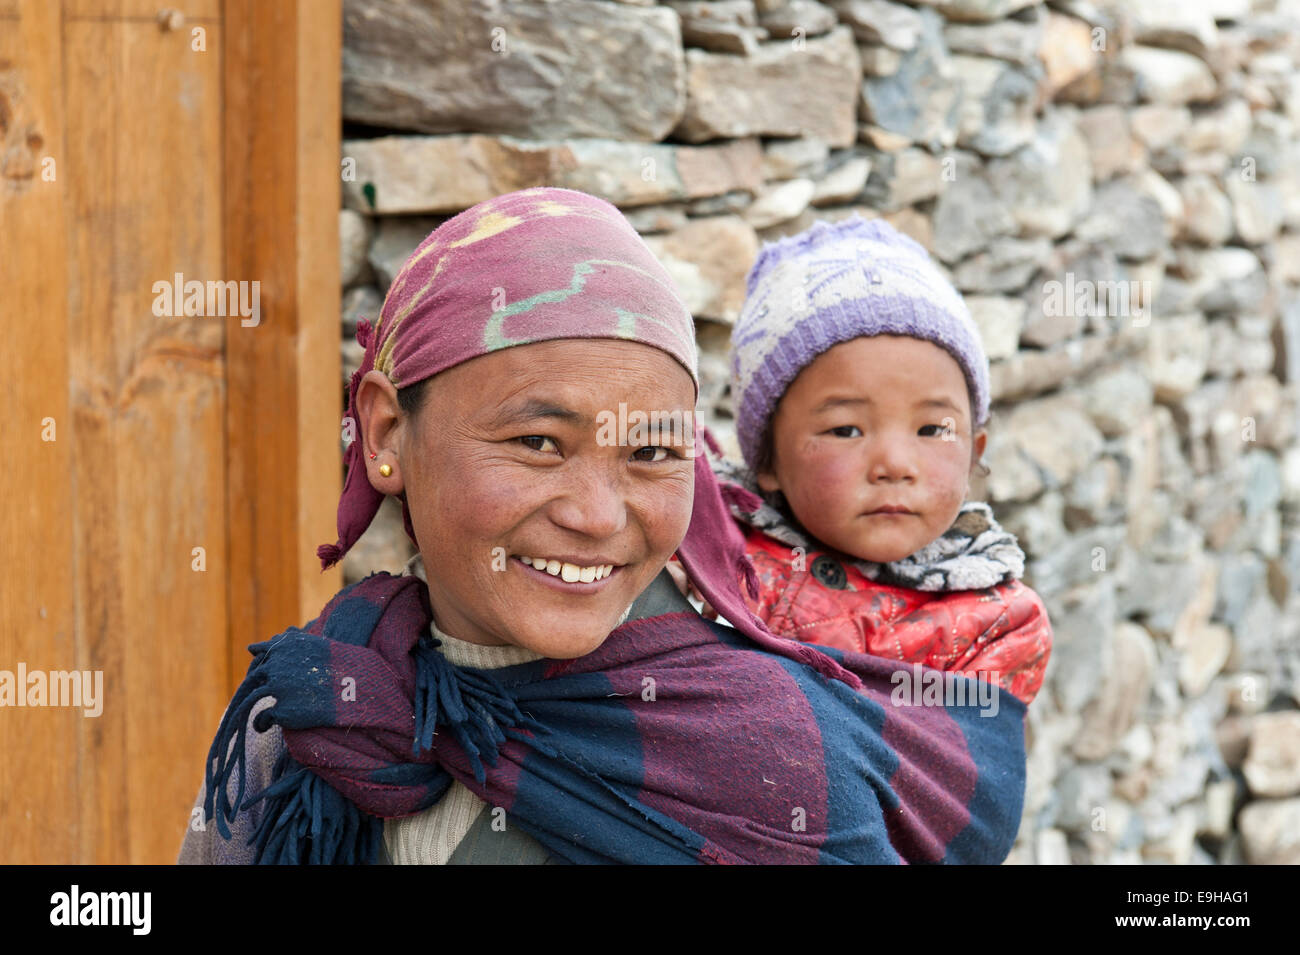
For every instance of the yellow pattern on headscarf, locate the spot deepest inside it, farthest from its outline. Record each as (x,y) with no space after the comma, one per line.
(384,357)
(491,224)
(551,208)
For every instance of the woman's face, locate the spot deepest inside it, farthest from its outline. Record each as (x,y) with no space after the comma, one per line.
(875,422)
(506,460)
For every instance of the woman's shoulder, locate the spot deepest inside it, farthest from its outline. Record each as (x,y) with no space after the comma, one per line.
(203,843)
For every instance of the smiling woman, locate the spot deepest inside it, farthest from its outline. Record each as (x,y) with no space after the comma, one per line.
(534,688)
(503,460)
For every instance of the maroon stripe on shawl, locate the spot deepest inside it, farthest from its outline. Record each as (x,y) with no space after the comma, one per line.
(932,814)
(694,748)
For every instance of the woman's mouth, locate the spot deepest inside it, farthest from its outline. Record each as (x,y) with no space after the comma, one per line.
(567,574)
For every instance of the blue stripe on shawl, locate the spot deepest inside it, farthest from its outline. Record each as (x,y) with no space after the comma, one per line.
(852,795)
(625,827)
(353,620)
(992,799)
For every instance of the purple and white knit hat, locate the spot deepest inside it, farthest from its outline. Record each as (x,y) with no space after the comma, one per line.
(832,283)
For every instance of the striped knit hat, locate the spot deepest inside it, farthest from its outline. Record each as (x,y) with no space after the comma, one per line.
(832,283)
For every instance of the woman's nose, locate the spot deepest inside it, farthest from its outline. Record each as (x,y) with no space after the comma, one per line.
(591,503)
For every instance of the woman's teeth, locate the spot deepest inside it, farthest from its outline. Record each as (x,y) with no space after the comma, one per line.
(570,573)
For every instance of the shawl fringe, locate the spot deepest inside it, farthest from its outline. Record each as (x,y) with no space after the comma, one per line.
(306,820)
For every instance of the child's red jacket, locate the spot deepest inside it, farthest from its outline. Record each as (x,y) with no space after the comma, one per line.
(957,604)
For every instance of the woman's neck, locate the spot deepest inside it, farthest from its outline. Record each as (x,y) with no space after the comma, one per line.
(463,652)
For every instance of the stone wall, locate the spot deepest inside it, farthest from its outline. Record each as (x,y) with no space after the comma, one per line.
(1114,187)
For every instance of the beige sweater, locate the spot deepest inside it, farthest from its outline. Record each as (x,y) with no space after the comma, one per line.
(430,837)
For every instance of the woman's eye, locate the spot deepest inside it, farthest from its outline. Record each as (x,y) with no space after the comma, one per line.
(844,431)
(656,454)
(539,443)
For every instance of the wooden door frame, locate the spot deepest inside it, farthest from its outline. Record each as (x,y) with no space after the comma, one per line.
(78,790)
(282,116)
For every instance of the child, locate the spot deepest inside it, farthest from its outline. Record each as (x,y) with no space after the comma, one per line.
(861,388)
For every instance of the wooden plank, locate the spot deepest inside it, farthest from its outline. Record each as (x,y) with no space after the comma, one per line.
(320,111)
(220,165)
(206,10)
(38,768)
(144,159)
(281,172)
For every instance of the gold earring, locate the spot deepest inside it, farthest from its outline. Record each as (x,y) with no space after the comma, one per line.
(385,469)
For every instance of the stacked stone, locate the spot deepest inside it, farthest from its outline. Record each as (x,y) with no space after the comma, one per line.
(1114,187)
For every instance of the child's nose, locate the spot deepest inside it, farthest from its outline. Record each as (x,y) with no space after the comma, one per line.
(891,461)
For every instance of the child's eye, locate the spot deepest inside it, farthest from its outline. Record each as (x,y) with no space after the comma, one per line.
(942,429)
(842,431)
(657,453)
(541,440)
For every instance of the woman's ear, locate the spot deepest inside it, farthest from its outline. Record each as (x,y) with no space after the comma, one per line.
(382,425)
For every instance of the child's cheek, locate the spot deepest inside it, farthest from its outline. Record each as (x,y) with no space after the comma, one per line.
(945,469)
(947,477)
(827,477)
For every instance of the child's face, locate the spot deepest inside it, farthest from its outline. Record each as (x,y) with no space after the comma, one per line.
(854,433)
